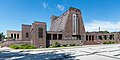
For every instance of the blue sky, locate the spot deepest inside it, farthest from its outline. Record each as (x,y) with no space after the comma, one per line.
(96,13)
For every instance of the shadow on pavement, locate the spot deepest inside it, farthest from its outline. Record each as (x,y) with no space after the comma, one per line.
(38,56)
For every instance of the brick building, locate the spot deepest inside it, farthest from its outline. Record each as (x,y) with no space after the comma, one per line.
(67,28)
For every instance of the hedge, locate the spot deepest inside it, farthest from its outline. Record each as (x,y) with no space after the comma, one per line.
(22,46)
(109,42)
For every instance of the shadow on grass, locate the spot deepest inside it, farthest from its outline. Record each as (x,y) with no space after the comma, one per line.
(39,56)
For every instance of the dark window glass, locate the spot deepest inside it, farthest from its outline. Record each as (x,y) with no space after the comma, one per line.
(48,36)
(80,37)
(54,36)
(93,37)
(111,37)
(17,36)
(105,37)
(27,35)
(12,36)
(100,37)
(60,36)
(89,38)
(40,32)
(86,37)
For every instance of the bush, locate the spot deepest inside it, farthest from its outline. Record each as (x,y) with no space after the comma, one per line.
(113,42)
(51,46)
(68,45)
(109,42)
(23,46)
(56,44)
(72,44)
(14,46)
(65,45)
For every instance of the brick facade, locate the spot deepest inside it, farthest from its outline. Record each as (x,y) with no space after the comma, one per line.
(38,34)
(67,28)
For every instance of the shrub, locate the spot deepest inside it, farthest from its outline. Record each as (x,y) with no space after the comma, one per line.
(113,42)
(62,46)
(56,44)
(68,45)
(109,42)
(72,44)
(23,46)
(65,45)
(14,46)
(51,46)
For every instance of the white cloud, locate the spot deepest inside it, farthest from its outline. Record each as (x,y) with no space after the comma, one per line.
(60,7)
(104,25)
(44,4)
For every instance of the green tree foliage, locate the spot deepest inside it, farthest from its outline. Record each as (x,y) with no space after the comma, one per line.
(2,36)
(104,31)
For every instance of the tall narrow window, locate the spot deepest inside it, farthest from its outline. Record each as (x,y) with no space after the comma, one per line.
(17,36)
(54,36)
(40,32)
(27,35)
(75,23)
(74,16)
(12,36)
(92,37)
(86,37)
(89,38)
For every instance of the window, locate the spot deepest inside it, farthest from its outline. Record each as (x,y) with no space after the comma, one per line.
(48,36)
(100,37)
(75,23)
(86,37)
(12,36)
(27,35)
(40,32)
(54,36)
(17,36)
(111,37)
(93,37)
(105,37)
(89,38)
(79,37)
(60,36)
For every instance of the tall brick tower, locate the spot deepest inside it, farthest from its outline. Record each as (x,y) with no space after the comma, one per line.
(70,24)
(38,34)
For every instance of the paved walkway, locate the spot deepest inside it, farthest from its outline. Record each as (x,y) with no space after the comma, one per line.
(89,52)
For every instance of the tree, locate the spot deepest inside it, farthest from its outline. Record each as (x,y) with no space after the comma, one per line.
(104,31)
(2,36)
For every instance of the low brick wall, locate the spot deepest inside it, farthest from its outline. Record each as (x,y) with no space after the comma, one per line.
(9,42)
(91,42)
(63,42)
(99,42)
